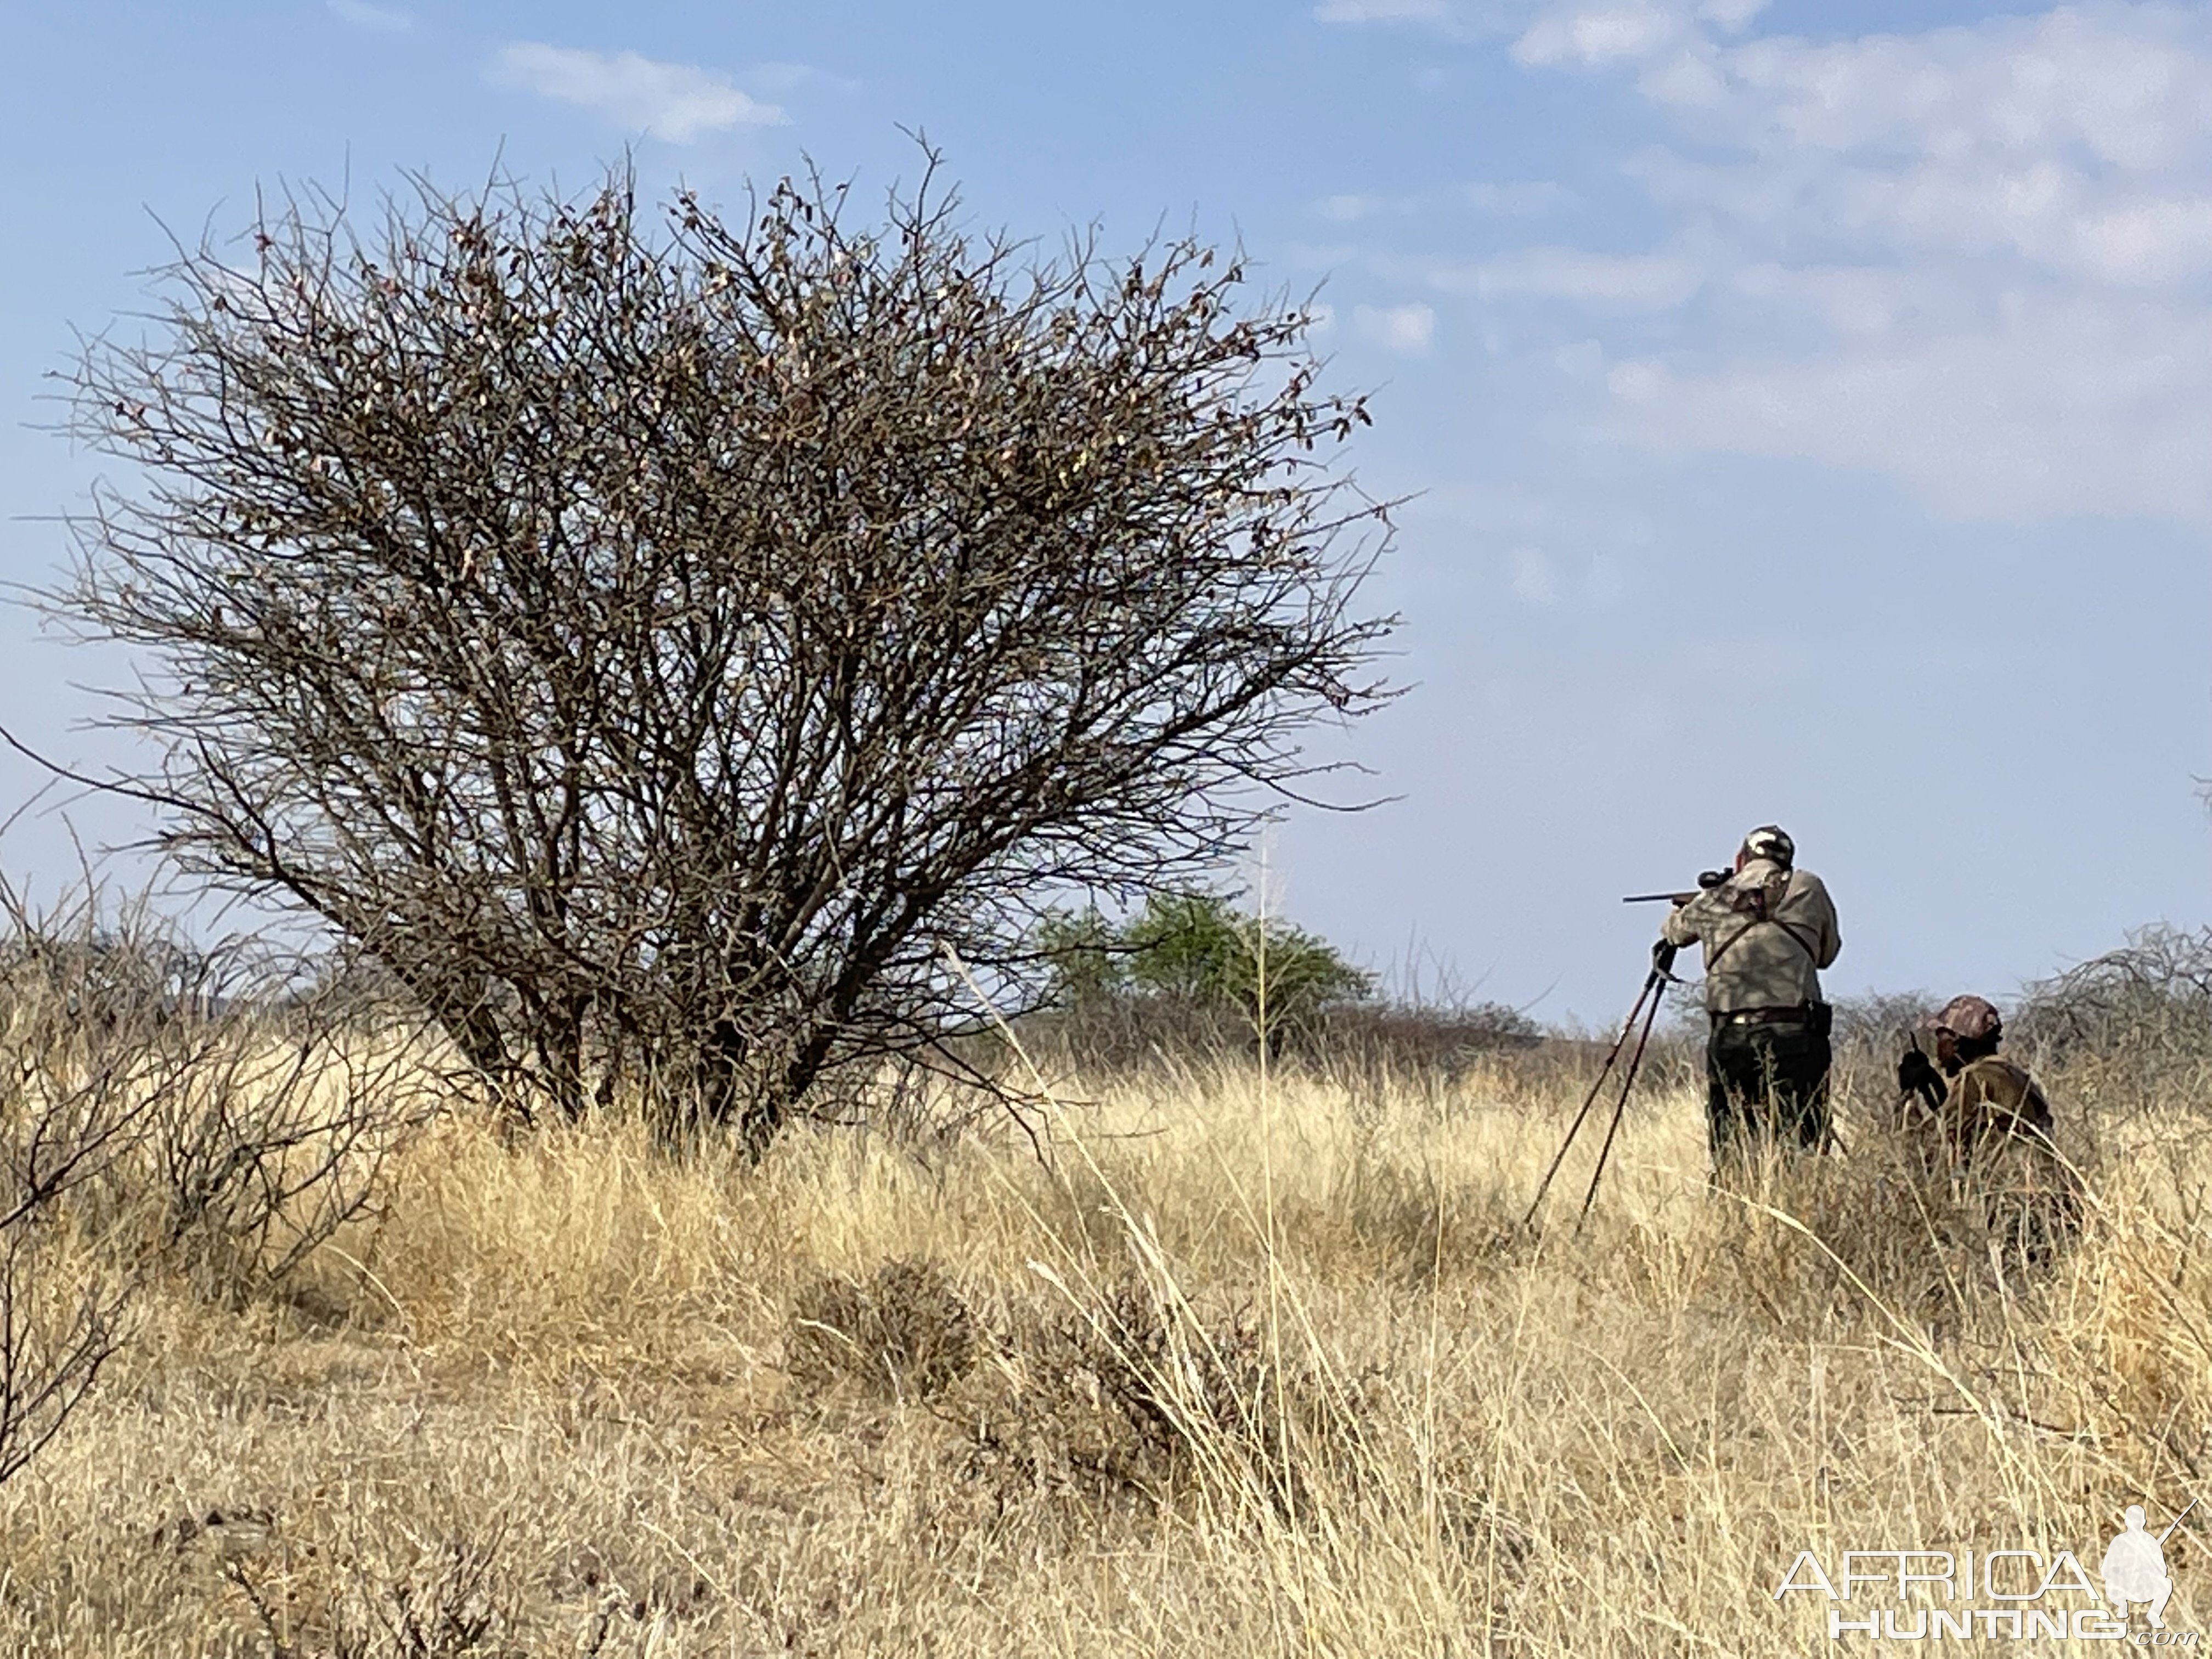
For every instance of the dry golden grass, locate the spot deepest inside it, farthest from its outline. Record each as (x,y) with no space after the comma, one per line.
(1247,1370)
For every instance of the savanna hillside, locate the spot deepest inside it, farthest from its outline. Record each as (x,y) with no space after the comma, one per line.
(1246,1362)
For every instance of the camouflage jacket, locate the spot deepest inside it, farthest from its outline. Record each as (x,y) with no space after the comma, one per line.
(1767,932)
(1990,1101)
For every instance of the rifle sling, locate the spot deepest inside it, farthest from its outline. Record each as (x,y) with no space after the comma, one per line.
(1812,953)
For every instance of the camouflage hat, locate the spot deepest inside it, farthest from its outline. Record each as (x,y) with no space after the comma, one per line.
(1968,1017)
(1768,842)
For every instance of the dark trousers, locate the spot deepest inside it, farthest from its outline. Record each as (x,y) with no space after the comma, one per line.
(1766,1082)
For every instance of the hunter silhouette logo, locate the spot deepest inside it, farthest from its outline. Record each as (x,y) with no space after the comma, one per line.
(2134,1568)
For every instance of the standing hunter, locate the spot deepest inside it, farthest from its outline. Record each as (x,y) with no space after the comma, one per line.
(1768,929)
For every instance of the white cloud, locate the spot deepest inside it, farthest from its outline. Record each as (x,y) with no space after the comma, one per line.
(677,102)
(1641,281)
(1526,199)
(1409,330)
(1350,210)
(1517,199)
(1604,27)
(1455,19)
(363,15)
(2064,405)
(1977,259)
(1533,578)
(1584,360)
(1596,35)
(1638,382)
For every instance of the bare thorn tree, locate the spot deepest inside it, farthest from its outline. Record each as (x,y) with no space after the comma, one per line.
(653,637)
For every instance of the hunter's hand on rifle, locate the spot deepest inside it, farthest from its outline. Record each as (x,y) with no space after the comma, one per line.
(1917,1075)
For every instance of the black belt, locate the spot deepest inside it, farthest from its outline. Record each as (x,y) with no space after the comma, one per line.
(1799,1015)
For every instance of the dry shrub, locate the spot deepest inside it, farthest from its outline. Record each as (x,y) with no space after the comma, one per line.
(1095,1404)
(443,1600)
(904,1333)
(1113,1391)
(77,1007)
(1129,1390)
(231,1105)
(593,851)
(274,1139)
(1366,1041)
(62,1317)
(2154,994)
(2128,1034)
(166,1107)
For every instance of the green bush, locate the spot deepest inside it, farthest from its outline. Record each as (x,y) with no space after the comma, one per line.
(1199,950)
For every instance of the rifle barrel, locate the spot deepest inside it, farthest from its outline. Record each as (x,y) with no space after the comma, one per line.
(2177,1521)
(1658,898)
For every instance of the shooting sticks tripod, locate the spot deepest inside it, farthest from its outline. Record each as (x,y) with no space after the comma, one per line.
(1647,1007)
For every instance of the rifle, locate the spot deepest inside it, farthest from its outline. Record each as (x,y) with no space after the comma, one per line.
(2176,1522)
(1930,1085)
(1707,880)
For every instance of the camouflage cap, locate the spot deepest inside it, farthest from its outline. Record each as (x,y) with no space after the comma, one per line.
(1969,1016)
(1768,842)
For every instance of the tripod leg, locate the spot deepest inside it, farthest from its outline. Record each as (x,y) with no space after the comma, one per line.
(1621,1106)
(1652,983)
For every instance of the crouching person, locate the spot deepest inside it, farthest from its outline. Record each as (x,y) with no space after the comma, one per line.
(1983,1119)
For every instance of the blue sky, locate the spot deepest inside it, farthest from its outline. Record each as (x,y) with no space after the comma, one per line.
(1806,407)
